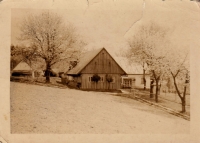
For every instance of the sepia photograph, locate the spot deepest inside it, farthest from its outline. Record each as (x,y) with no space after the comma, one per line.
(103,67)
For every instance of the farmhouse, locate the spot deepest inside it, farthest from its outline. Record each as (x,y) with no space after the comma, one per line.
(97,62)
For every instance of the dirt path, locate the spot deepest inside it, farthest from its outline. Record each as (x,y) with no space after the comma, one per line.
(38,109)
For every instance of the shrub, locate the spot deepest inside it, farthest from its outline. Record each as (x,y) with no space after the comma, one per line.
(95,78)
(38,73)
(64,79)
(109,78)
(73,84)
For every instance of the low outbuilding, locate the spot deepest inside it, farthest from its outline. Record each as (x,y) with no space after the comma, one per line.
(22,69)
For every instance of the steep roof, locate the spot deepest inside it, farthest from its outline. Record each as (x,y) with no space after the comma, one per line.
(86,59)
(22,66)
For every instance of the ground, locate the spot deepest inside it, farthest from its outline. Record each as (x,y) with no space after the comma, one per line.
(169,100)
(40,109)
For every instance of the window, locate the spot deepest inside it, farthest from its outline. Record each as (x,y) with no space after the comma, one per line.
(127,82)
(90,79)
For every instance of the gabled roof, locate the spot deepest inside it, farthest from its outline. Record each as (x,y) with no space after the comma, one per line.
(86,59)
(130,68)
(22,66)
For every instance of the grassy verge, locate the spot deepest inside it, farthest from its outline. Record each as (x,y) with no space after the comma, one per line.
(103,90)
(166,101)
(54,81)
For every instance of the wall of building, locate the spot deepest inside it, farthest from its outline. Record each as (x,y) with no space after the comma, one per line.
(103,63)
(138,80)
(86,82)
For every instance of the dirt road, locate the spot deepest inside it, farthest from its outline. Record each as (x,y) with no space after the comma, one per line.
(39,109)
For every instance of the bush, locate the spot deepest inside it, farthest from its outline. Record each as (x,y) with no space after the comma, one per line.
(74,84)
(109,78)
(95,78)
(64,79)
(38,73)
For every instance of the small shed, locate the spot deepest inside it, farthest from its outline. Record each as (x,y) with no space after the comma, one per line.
(22,69)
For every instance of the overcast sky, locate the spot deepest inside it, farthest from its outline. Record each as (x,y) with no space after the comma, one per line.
(110,23)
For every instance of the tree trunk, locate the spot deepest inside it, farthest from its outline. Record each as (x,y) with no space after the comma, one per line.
(151,88)
(157,79)
(157,90)
(159,86)
(178,92)
(183,105)
(183,100)
(47,77)
(144,79)
(48,70)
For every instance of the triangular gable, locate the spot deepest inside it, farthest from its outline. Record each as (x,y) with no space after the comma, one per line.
(14,63)
(116,62)
(84,60)
(22,66)
(87,59)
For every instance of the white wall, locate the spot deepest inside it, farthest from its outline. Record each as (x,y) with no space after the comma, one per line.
(138,80)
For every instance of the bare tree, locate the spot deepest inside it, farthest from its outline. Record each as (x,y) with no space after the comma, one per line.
(50,39)
(129,54)
(178,67)
(149,46)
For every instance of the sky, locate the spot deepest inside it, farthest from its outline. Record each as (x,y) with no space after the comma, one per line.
(111,23)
